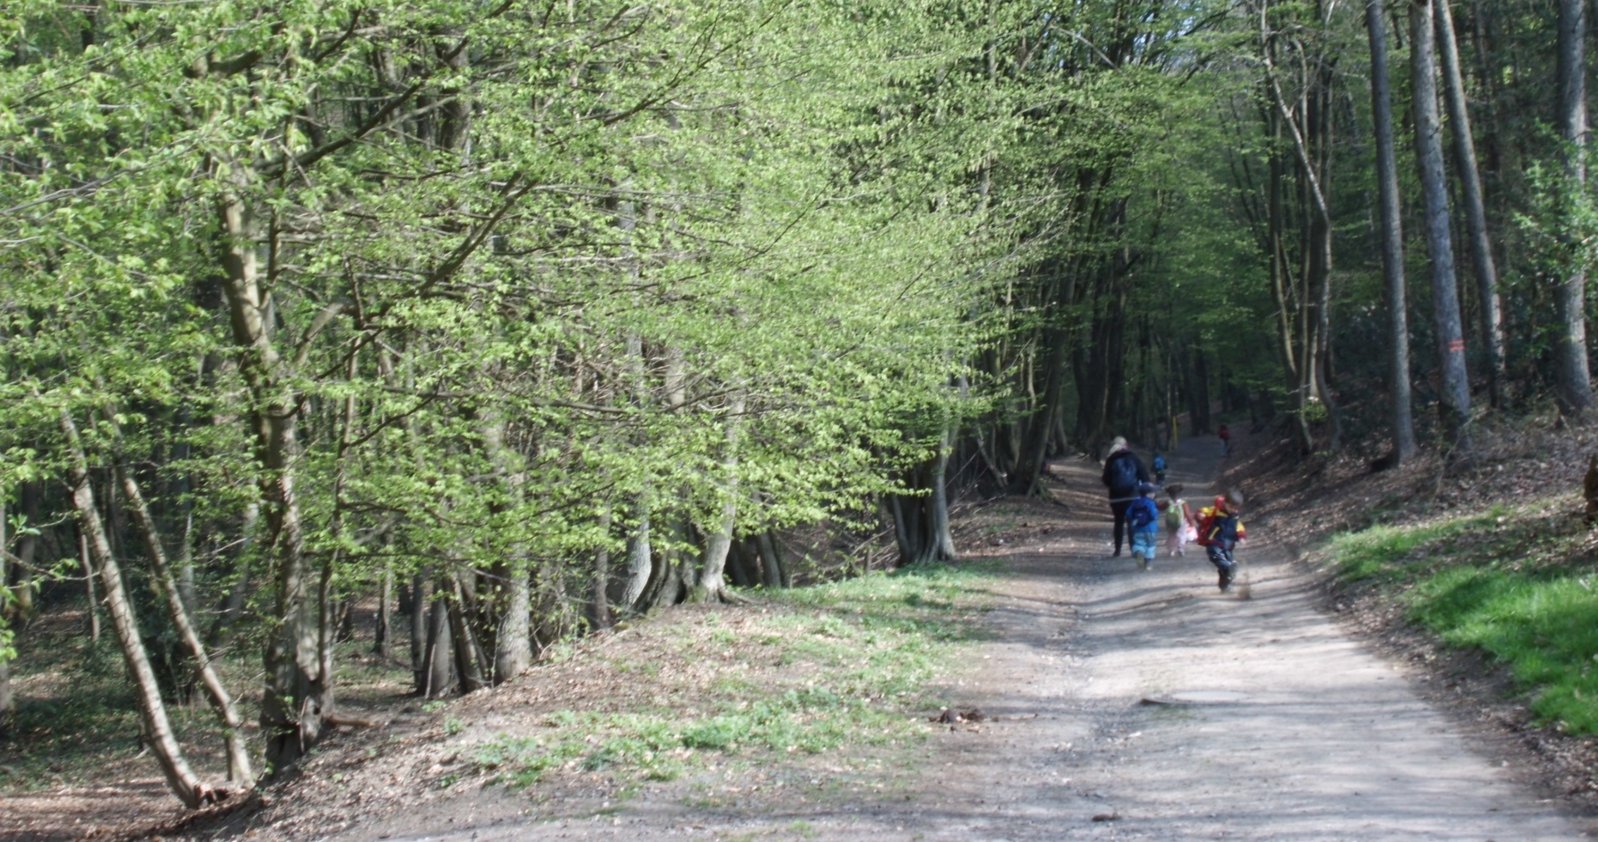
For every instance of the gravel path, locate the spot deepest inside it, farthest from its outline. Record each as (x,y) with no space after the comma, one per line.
(1128,705)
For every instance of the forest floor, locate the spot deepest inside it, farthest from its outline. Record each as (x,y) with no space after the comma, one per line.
(1105,703)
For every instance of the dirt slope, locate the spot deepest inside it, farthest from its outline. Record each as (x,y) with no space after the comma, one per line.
(1122,704)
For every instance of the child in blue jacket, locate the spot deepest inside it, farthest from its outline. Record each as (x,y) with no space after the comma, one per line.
(1143,517)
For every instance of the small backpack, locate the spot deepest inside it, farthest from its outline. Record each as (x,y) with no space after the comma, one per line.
(1206,520)
(1141,514)
(1173,513)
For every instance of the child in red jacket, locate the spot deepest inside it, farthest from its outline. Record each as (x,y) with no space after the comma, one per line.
(1220,527)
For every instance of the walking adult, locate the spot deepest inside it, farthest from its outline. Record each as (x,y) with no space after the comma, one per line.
(1123,473)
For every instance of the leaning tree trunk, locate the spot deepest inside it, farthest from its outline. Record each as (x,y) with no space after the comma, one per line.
(1439,240)
(1392,237)
(1574,386)
(227,714)
(158,733)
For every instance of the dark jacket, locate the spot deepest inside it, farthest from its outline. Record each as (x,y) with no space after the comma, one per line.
(1122,478)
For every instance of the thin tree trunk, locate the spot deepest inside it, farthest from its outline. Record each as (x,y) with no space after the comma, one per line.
(599,613)
(93,612)
(421,598)
(232,607)
(382,635)
(1392,237)
(1574,386)
(468,651)
(232,725)
(1492,328)
(8,700)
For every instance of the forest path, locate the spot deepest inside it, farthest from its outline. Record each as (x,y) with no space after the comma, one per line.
(1149,705)
(1125,704)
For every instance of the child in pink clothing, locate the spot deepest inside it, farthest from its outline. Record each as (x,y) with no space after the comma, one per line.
(1178,520)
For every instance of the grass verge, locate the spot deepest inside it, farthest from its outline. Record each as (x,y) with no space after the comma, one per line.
(1519,583)
(813,670)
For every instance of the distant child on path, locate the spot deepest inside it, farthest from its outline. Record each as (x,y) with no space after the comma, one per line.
(1225,434)
(1144,520)
(1123,471)
(1219,530)
(1159,468)
(1178,520)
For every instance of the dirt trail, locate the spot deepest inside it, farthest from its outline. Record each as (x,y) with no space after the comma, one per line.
(1147,705)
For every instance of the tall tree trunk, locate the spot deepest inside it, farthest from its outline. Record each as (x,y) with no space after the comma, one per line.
(297,695)
(1492,328)
(1574,386)
(1439,240)
(163,743)
(921,521)
(1308,127)
(1392,237)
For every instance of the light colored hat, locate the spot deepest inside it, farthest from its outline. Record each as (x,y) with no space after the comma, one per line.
(1118,444)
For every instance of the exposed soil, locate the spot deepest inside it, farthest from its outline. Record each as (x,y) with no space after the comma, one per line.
(1111,703)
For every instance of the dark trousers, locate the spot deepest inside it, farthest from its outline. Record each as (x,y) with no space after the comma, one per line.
(1220,554)
(1119,507)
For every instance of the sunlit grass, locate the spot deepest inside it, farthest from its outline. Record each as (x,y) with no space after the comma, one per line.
(859,656)
(1516,583)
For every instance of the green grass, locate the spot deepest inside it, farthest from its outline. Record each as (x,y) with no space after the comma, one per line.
(1518,584)
(1398,553)
(861,654)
